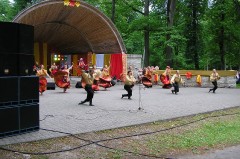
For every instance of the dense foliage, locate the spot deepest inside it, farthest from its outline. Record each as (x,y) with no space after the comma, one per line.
(186,34)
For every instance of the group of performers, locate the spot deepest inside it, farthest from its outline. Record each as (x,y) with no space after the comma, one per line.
(95,78)
(150,75)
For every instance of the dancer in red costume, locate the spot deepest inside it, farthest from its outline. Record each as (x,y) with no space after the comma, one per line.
(165,78)
(62,78)
(147,77)
(81,66)
(41,73)
(53,69)
(105,79)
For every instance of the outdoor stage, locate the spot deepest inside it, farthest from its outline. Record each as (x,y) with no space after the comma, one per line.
(60,111)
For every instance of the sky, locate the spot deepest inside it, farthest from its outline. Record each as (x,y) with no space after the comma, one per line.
(11,1)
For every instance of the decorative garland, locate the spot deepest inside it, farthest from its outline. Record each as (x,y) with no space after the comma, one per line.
(71,3)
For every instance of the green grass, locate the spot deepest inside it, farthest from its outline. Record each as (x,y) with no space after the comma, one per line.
(238,85)
(210,133)
(207,136)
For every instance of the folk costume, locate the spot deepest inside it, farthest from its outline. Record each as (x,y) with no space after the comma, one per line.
(129,84)
(175,81)
(53,69)
(62,78)
(147,78)
(214,77)
(88,78)
(41,73)
(95,85)
(105,79)
(165,78)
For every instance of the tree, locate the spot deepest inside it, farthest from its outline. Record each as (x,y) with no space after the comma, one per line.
(5,11)
(171,7)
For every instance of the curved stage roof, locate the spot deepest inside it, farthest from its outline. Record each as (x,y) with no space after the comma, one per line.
(72,30)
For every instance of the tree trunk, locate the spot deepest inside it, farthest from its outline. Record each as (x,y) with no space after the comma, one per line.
(194,38)
(221,41)
(171,6)
(113,10)
(146,35)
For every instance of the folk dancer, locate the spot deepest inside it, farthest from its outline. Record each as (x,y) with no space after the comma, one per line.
(156,75)
(53,69)
(41,73)
(88,78)
(129,84)
(175,80)
(105,79)
(36,67)
(147,77)
(214,77)
(62,78)
(165,78)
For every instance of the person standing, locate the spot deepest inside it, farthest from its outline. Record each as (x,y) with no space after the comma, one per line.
(129,84)
(175,80)
(238,77)
(88,78)
(214,77)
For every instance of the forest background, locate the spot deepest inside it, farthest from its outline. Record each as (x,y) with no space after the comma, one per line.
(184,34)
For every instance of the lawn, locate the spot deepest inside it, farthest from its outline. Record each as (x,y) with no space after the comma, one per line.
(187,135)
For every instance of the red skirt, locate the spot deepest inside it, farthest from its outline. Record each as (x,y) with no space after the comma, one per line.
(61,81)
(42,84)
(105,82)
(166,81)
(146,81)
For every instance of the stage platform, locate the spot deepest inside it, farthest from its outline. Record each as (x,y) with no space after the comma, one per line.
(60,111)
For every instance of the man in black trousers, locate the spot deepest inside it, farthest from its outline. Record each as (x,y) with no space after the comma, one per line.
(214,77)
(129,83)
(88,78)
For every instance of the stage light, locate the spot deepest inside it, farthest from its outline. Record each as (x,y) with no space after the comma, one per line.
(6,71)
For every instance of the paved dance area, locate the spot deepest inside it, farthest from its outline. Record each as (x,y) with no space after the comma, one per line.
(60,111)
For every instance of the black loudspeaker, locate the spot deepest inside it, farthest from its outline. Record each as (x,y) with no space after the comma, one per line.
(9,121)
(16,38)
(8,91)
(9,65)
(16,64)
(26,39)
(50,86)
(29,89)
(9,38)
(16,49)
(29,116)
(26,62)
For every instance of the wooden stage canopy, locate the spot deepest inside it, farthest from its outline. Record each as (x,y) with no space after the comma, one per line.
(72,30)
